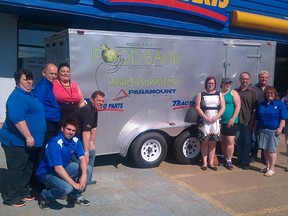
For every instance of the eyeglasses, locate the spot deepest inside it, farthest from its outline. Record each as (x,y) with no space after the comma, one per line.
(210,83)
(270,93)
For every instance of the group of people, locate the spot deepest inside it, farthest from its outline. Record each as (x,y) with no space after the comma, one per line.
(252,115)
(49,133)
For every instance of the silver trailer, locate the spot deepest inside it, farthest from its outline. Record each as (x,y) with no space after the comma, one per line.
(151,82)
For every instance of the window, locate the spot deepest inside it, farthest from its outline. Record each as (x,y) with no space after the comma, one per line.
(31,54)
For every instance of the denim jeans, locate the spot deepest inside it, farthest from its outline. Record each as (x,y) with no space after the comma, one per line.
(58,188)
(243,146)
(92,155)
(20,161)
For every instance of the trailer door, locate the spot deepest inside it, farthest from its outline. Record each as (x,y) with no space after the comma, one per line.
(242,57)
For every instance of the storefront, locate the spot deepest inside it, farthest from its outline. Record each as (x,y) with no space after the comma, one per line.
(24,24)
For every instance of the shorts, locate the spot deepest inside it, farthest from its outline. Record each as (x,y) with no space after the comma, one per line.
(267,140)
(231,131)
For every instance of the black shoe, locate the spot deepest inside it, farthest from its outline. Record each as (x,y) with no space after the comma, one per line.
(92,182)
(245,167)
(213,168)
(252,159)
(28,198)
(203,167)
(82,201)
(19,203)
(44,204)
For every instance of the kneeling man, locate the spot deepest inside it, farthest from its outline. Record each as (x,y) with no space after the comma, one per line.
(60,176)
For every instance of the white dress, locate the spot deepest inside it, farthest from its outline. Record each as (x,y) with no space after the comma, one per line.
(210,105)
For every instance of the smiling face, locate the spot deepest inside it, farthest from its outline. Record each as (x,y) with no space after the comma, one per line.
(263,79)
(225,86)
(68,131)
(50,72)
(210,84)
(270,95)
(64,74)
(25,84)
(97,102)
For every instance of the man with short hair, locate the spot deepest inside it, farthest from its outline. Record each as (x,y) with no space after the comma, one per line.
(259,87)
(87,118)
(60,176)
(249,102)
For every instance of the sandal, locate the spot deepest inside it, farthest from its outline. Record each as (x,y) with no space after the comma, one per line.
(269,173)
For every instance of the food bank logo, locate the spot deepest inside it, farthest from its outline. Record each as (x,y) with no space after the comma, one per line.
(213,9)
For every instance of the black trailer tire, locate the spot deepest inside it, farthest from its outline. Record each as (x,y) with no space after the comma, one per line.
(149,150)
(187,148)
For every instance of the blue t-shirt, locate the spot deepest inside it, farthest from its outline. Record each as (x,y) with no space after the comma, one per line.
(269,115)
(43,91)
(58,152)
(22,105)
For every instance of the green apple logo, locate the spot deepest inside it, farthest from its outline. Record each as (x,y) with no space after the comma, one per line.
(108,55)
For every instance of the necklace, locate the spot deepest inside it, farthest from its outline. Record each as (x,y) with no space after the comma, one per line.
(65,88)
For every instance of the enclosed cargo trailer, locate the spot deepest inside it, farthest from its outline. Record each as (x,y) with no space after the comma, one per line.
(151,82)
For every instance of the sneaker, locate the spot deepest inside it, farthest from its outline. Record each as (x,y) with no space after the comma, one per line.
(44,204)
(229,165)
(20,203)
(28,198)
(82,201)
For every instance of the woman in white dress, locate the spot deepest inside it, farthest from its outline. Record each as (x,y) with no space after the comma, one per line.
(210,105)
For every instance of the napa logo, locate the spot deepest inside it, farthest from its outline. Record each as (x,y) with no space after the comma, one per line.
(209,9)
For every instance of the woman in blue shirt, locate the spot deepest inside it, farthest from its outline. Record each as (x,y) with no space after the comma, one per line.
(21,136)
(271,115)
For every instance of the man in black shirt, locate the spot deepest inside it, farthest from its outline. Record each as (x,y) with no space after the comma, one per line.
(87,118)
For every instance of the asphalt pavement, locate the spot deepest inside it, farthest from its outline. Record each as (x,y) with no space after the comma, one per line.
(171,189)
(122,189)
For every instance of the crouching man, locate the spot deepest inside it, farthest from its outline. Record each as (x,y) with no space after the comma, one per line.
(61,177)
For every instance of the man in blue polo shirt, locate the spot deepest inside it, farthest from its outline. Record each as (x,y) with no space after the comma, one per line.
(43,92)
(60,176)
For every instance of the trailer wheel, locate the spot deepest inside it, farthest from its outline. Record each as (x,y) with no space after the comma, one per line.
(187,148)
(149,150)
